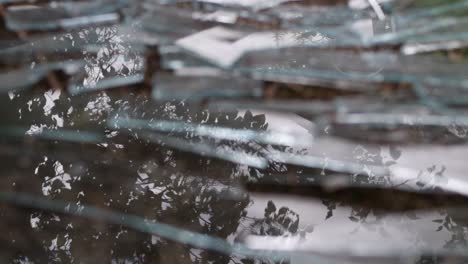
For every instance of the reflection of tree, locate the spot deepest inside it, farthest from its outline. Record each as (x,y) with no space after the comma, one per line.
(456,228)
(276,222)
(169,186)
(458,236)
(116,56)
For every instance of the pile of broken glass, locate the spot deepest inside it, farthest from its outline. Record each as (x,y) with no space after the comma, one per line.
(169,131)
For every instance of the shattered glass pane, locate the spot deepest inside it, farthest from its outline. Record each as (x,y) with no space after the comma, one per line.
(237,132)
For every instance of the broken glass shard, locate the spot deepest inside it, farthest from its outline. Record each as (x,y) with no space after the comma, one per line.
(223,47)
(61,15)
(15,80)
(347,65)
(55,134)
(400,128)
(217,132)
(175,58)
(198,88)
(207,149)
(50,48)
(169,24)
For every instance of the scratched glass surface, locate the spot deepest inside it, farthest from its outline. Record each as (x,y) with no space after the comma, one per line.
(220,131)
